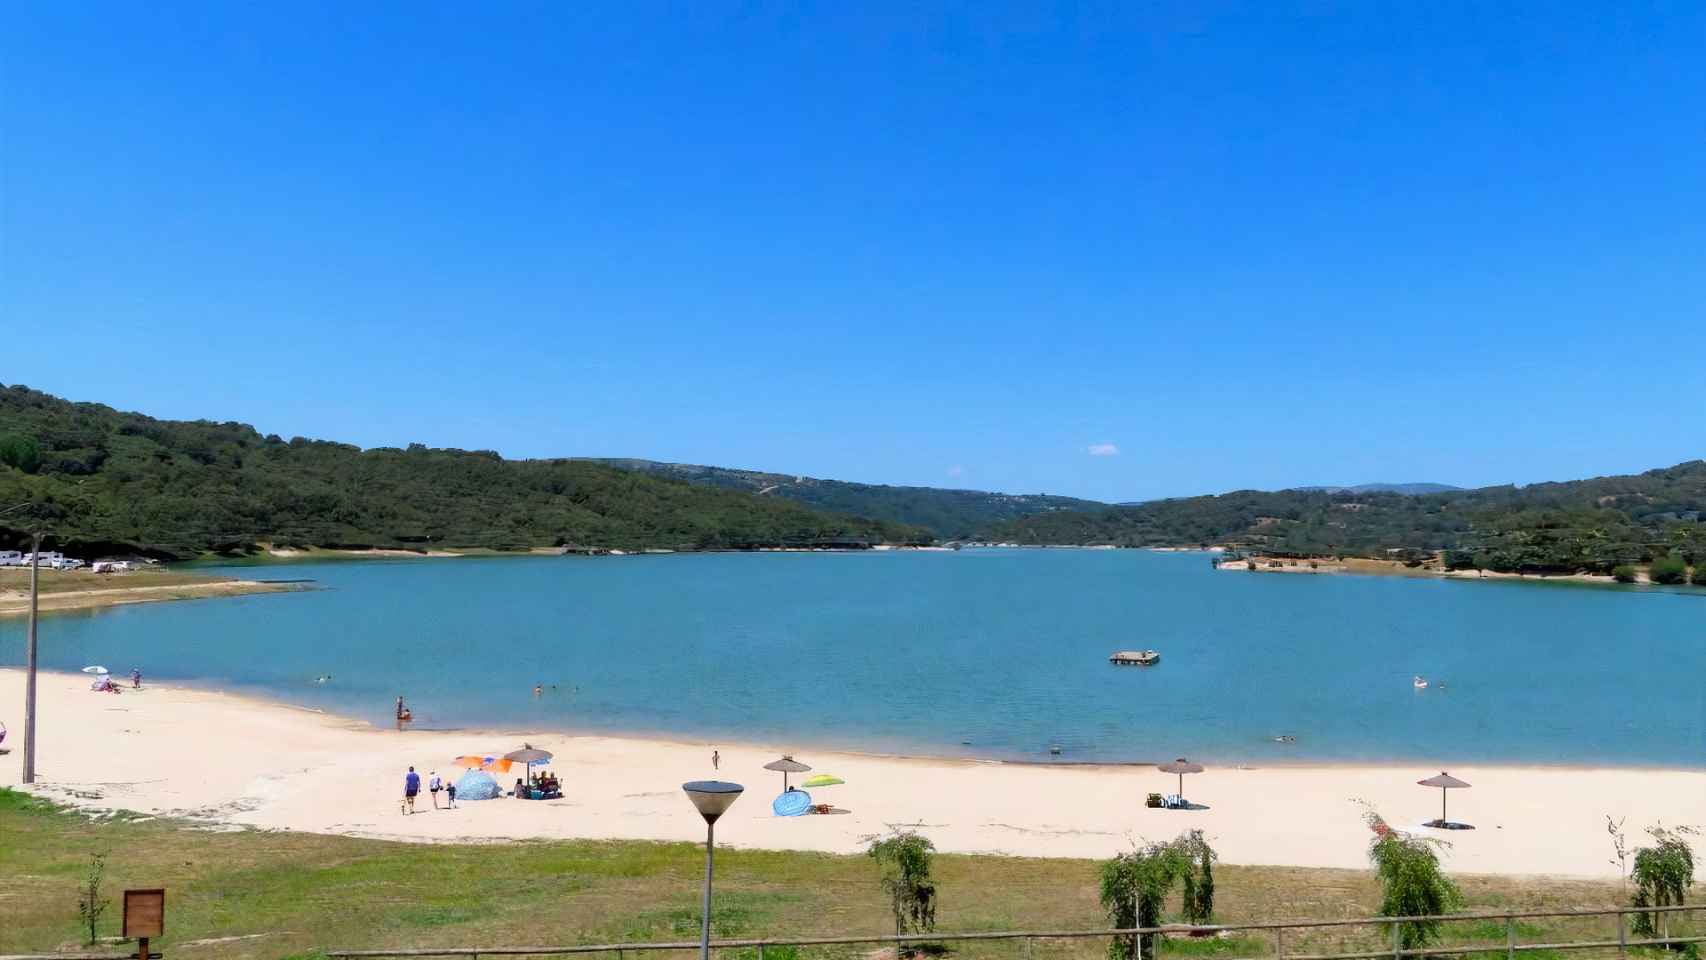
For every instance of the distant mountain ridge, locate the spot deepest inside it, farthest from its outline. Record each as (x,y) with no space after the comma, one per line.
(1577,525)
(949,514)
(1411,489)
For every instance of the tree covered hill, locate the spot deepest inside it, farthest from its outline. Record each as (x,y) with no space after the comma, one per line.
(111,479)
(949,514)
(1590,525)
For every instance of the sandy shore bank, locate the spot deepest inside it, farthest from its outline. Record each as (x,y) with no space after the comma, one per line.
(233,760)
(82,590)
(1392,568)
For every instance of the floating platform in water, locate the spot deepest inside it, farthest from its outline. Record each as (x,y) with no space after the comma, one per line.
(1135,658)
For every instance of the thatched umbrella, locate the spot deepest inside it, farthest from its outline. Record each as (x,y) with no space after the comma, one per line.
(1181,767)
(530,755)
(1444,782)
(786,765)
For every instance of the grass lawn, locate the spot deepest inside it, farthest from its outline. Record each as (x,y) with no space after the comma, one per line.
(290,894)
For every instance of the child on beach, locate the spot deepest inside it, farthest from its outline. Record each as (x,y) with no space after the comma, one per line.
(450,795)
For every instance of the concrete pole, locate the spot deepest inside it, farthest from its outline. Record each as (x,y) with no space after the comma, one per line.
(705,922)
(30,666)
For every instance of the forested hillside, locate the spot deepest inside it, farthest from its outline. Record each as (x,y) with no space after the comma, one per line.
(110,479)
(1591,525)
(949,514)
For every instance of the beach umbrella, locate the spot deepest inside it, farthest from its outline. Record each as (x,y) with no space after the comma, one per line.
(1444,782)
(1181,766)
(529,755)
(474,761)
(823,780)
(787,765)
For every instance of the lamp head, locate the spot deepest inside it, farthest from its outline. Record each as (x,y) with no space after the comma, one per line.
(712,797)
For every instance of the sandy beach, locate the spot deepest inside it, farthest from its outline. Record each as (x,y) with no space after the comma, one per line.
(231,760)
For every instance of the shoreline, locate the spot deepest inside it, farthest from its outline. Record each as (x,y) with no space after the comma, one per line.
(79,590)
(324,773)
(1359,566)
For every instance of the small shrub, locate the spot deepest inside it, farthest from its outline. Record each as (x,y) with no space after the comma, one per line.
(1663,873)
(1459,560)
(1411,884)
(1623,573)
(905,857)
(90,903)
(1669,569)
(1699,578)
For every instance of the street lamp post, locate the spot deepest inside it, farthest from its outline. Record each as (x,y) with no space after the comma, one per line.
(712,798)
(30,666)
(30,653)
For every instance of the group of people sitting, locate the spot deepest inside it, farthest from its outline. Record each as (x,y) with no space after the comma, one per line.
(103,683)
(542,786)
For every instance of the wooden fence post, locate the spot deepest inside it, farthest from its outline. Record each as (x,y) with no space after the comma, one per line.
(1622,936)
(1279,942)
(1397,942)
(1510,936)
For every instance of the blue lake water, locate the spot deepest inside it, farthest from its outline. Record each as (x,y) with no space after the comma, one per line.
(994,653)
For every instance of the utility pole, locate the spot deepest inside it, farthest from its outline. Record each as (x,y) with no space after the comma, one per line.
(30,665)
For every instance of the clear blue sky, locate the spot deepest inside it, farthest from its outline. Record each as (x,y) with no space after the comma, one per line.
(1246,245)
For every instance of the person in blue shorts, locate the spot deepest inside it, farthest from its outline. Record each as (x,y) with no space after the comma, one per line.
(411,787)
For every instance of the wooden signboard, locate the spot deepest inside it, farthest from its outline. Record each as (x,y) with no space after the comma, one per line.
(144,914)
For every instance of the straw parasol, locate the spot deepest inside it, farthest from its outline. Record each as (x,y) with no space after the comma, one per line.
(785,766)
(1181,766)
(529,755)
(1444,782)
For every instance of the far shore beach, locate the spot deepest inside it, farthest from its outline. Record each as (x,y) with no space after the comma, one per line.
(238,761)
(1394,568)
(64,591)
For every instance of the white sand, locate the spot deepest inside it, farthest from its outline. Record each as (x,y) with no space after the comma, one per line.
(241,761)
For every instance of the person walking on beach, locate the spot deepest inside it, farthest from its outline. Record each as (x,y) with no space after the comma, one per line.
(434,785)
(135,679)
(716,759)
(450,795)
(411,787)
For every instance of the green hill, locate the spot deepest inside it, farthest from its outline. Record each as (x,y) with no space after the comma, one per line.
(114,480)
(1586,525)
(949,514)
